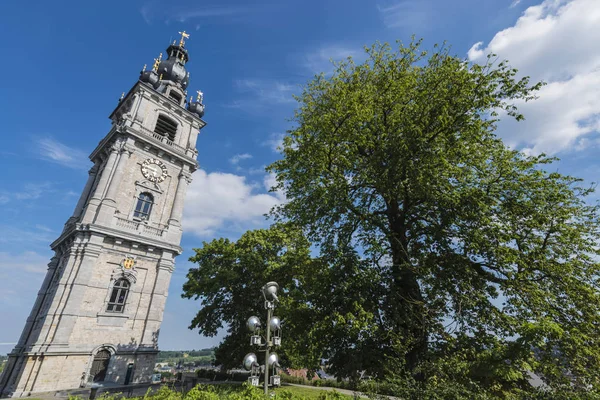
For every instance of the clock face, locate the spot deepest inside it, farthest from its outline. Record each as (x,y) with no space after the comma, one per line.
(154,170)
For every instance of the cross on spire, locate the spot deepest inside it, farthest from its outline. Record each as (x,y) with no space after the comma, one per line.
(183,37)
(157,62)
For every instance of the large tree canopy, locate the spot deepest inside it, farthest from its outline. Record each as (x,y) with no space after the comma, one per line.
(478,248)
(443,253)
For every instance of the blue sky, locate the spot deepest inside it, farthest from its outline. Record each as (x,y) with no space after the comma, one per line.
(66,64)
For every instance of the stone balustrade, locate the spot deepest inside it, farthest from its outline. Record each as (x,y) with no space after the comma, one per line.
(139,227)
(161,138)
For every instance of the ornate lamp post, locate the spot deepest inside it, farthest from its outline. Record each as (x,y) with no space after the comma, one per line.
(272,339)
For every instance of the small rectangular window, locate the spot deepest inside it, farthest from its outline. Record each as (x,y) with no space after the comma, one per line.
(118,297)
(143,206)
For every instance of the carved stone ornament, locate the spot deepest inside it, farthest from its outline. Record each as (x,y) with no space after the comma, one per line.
(154,170)
(126,269)
(128,262)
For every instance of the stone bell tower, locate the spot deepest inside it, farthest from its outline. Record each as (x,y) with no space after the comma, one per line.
(97,316)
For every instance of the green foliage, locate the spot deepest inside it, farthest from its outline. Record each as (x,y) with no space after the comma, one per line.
(227,392)
(202,392)
(449,266)
(445,244)
(229,278)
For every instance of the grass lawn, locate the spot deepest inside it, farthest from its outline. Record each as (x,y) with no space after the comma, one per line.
(307,393)
(304,392)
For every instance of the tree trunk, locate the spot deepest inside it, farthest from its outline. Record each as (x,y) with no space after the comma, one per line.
(406,306)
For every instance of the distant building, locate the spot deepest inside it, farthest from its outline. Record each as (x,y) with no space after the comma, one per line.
(98,313)
(301,373)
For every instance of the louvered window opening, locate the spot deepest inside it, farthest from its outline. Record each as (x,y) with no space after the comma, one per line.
(166,126)
(118,297)
(175,96)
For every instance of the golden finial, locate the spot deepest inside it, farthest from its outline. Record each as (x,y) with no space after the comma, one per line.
(122,96)
(144,69)
(200,96)
(156,62)
(191,99)
(160,77)
(183,37)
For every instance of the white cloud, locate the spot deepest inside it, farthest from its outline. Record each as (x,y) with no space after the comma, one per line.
(235,160)
(52,150)
(257,170)
(266,91)
(188,10)
(224,202)
(30,191)
(409,14)
(44,228)
(28,261)
(321,59)
(21,275)
(555,41)
(16,235)
(269,181)
(514,3)
(275,142)
(262,95)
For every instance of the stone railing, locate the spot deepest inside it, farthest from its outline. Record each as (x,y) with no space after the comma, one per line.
(139,227)
(125,223)
(161,138)
(153,231)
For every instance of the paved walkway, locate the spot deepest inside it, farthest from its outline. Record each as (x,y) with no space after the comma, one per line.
(329,389)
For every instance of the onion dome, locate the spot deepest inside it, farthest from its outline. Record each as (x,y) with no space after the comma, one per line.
(173,68)
(196,107)
(150,77)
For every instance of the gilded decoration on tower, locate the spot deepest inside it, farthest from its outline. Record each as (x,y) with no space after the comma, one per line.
(128,262)
(184,36)
(157,62)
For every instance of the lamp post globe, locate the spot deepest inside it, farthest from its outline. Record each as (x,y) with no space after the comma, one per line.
(273,360)
(250,360)
(270,291)
(253,324)
(275,323)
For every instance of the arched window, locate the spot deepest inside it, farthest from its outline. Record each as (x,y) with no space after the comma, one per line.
(100,365)
(166,126)
(118,297)
(143,206)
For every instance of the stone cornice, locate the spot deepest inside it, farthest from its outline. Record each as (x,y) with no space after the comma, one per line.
(118,234)
(130,131)
(141,87)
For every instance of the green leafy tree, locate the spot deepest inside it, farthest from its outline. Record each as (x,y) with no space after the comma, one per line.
(464,253)
(229,278)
